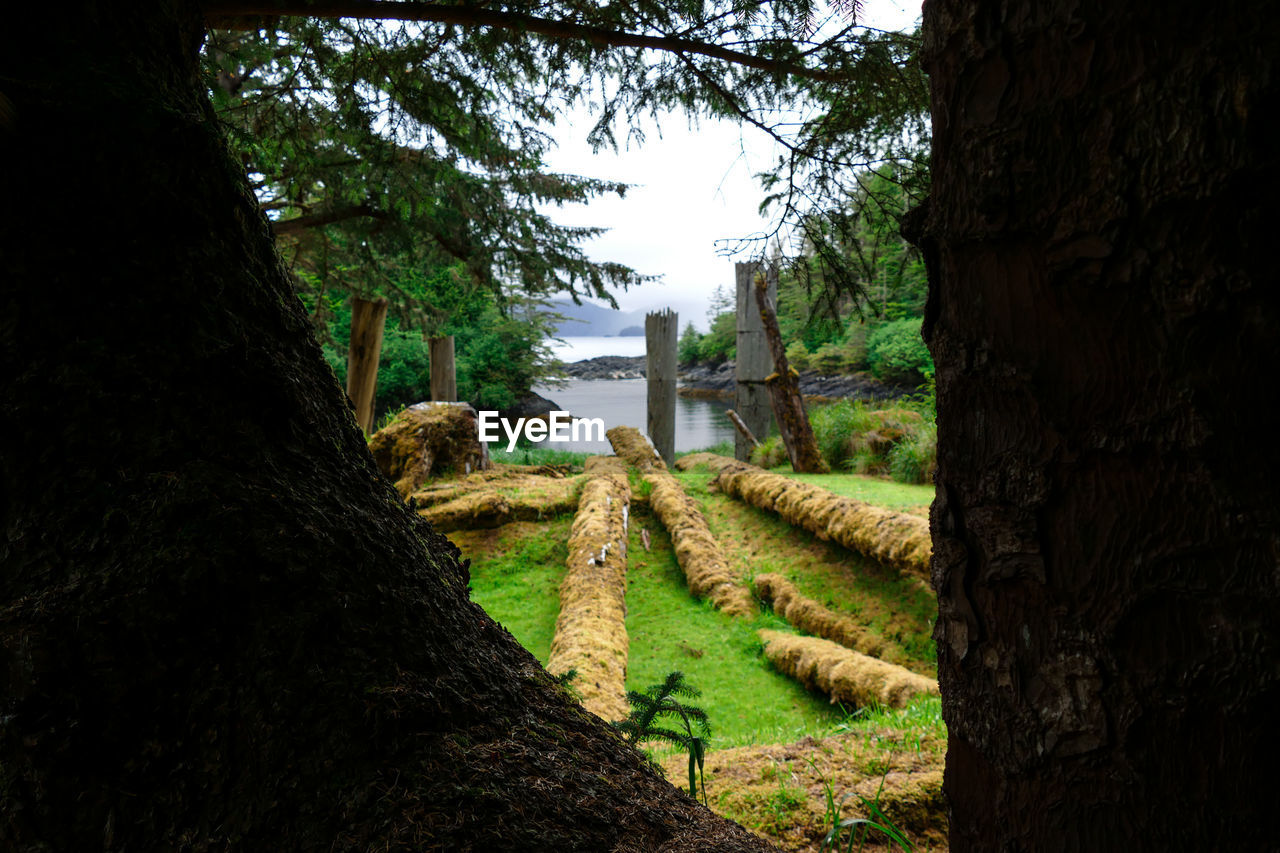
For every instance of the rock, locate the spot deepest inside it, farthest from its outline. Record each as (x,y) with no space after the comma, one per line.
(531,405)
(427,440)
(608,367)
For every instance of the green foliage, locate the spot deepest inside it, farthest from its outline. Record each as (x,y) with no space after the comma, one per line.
(898,439)
(896,353)
(798,355)
(650,707)
(687,348)
(721,342)
(858,827)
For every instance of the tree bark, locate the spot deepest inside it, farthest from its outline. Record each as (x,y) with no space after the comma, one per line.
(444,369)
(1102,312)
(368,318)
(784,392)
(220,626)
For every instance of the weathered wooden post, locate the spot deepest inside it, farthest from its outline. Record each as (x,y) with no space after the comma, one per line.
(444,378)
(368,316)
(660,330)
(750,397)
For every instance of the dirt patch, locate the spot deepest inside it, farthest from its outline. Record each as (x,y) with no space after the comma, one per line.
(428,440)
(894,538)
(780,791)
(843,674)
(591,633)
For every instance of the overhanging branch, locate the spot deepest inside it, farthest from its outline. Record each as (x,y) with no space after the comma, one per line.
(233,14)
(301,223)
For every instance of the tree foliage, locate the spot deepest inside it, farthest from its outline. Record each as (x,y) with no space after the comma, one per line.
(409,133)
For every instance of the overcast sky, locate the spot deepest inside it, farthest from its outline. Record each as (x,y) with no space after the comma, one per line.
(693,187)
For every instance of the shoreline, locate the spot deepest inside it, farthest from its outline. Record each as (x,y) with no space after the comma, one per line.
(717,382)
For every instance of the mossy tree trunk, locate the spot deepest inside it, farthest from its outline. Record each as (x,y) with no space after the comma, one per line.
(220,625)
(784,393)
(1103,314)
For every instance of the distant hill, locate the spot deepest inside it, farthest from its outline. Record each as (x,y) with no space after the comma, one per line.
(632,332)
(587,319)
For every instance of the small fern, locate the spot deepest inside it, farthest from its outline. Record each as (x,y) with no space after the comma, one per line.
(691,730)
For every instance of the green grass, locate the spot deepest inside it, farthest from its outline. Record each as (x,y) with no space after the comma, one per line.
(872,490)
(537,455)
(747,700)
(898,608)
(515,576)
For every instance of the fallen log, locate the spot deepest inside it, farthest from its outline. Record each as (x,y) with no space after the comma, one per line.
(700,557)
(893,538)
(811,617)
(843,674)
(591,634)
(489,506)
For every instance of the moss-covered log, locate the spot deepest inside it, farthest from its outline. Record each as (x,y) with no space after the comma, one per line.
(700,557)
(591,631)
(427,440)
(813,618)
(893,538)
(843,674)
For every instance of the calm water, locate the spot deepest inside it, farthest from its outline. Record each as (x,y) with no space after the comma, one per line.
(621,402)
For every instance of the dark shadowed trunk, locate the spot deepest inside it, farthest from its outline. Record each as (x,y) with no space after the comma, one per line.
(1103,314)
(220,625)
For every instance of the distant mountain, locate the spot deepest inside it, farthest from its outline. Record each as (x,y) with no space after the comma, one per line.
(588,319)
(632,332)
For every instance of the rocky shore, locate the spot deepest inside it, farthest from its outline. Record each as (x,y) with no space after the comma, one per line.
(706,381)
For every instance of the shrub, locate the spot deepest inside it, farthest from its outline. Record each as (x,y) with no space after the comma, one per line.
(896,353)
(899,440)
(828,359)
(914,459)
(770,453)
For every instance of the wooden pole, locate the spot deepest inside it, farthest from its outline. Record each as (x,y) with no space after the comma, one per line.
(750,397)
(660,331)
(742,427)
(784,391)
(444,378)
(368,317)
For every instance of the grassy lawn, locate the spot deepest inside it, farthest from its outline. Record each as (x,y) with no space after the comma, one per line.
(899,608)
(872,490)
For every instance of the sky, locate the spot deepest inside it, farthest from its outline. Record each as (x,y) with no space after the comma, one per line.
(692,187)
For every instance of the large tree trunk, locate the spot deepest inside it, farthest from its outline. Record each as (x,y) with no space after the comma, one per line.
(1103,312)
(220,625)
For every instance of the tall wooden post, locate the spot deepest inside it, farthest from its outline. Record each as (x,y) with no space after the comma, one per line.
(368,317)
(660,330)
(750,397)
(444,378)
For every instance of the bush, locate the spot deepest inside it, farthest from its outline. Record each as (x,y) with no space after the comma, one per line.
(896,353)
(771,453)
(899,440)
(914,459)
(828,359)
